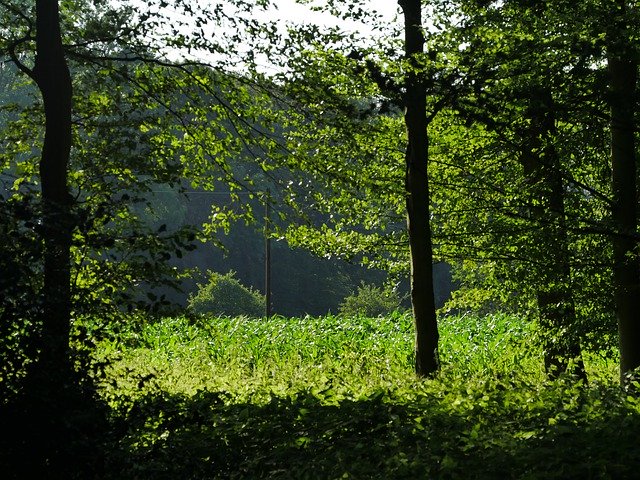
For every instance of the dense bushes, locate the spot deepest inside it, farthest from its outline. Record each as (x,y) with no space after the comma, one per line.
(224,295)
(370,301)
(336,397)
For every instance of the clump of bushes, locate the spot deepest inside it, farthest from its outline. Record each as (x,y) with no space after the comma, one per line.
(224,295)
(370,301)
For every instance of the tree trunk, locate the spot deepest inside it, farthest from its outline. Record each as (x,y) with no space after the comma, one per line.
(48,393)
(52,76)
(556,306)
(40,422)
(417,191)
(626,273)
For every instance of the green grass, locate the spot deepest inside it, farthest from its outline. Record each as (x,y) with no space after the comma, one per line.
(259,358)
(337,398)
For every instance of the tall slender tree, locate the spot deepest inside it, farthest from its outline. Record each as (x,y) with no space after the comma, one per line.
(51,73)
(52,76)
(623,76)
(50,373)
(417,193)
(554,295)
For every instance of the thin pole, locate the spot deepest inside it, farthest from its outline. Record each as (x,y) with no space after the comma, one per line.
(267,253)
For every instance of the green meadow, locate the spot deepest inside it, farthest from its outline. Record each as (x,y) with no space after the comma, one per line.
(332,397)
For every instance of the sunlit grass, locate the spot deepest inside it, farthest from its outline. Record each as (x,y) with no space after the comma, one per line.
(337,397)
(355,356)
(250,356)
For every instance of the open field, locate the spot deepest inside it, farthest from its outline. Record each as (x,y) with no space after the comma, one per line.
(336,398)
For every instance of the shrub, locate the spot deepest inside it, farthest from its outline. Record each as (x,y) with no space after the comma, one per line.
(225,295)
(370,301)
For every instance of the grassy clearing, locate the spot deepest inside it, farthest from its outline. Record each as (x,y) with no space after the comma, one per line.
(336,398)
(260,358)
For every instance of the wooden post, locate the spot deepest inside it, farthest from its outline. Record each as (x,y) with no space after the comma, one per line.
(267,253)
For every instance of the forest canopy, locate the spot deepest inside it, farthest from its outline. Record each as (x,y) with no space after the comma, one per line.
(497,138)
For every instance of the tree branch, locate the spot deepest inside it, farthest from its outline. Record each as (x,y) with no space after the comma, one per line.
(14,57)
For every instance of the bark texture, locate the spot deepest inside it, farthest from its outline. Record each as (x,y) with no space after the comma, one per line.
(417,191)
(626,272)
(52,76)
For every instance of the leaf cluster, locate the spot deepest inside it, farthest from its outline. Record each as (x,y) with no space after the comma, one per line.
(224,295)
(364,415)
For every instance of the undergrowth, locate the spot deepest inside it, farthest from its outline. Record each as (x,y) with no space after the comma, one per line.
(337,398)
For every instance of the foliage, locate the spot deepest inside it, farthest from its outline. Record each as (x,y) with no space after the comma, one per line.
(370,301)
(19,283)
(527,190)
(510,84)
(333,397)
(152,122)
(225,295)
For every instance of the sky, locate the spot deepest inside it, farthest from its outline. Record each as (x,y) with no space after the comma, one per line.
(289,10)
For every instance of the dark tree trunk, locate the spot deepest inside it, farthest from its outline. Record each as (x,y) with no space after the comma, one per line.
(417,191)
(52,76)
(556,306)
(626,272)
(49,385)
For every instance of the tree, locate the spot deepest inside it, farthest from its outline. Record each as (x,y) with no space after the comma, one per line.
(50,374)
(82,234)
(623,77)
(339,94)
(51,74)
(224,295)
(518,96)
(417,191)
(370,301)
(554,296)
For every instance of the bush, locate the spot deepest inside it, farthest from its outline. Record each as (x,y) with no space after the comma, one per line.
(225,295)
(370,301)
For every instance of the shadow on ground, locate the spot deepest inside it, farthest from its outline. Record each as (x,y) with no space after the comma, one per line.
(204,437)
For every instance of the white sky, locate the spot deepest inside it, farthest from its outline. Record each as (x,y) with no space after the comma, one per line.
(290,11)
